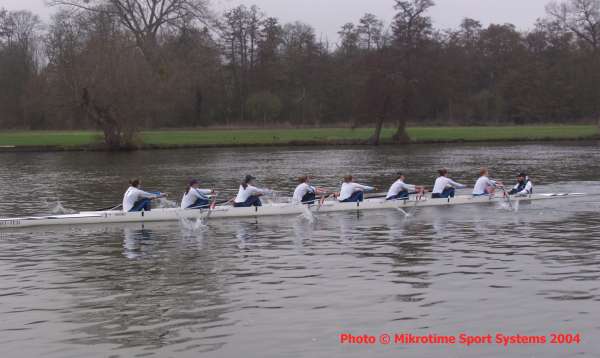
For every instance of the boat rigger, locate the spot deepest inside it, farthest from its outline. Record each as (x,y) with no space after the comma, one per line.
(284,209)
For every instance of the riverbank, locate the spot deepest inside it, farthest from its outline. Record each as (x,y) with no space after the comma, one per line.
(165,139)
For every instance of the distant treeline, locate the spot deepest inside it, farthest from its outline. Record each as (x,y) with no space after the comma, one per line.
(126,65)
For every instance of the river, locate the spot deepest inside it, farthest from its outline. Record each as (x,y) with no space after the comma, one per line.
(289,287)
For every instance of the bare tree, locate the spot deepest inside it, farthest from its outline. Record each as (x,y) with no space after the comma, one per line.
(410,23)
(123,104)
(95,72)
(145,18)
(126,65)
(382,91)
(349,40)
(20,41)
(582,17)
(241,35)
(411,29)
(370,31)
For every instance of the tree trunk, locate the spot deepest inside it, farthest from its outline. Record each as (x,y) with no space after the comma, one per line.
(117,135)
(401,137)
(376,137)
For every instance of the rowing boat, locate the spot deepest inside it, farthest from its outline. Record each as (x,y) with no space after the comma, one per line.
(225,212)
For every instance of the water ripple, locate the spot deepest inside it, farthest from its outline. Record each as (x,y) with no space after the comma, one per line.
(287,287)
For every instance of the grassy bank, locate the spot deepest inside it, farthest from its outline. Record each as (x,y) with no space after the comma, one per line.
(74,139)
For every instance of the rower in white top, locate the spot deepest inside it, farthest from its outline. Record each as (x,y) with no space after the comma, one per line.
(196,198)
(306,193)
(353,192)
(136,199)
(400,190)
(248,195)
(523,187)
(484,185)
(445,187)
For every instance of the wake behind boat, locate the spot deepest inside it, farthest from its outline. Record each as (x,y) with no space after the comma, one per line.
(278,209)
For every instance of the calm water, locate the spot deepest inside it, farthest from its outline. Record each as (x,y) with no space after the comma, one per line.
(288,287)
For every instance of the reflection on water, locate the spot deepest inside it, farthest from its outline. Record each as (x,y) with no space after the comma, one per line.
(135,242)
(286,287)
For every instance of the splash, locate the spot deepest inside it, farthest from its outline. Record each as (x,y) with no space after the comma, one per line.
(58,209)
(406,214)
(192,225)
(512,206)
(166,203)
(307,214)
(272,196)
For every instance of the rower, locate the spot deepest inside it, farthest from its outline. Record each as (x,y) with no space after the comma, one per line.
(136,199)
(400,190)
(248,195)
(194,197)
(353,192)
(306,193)
(484,185)
(523,187)
(445,187)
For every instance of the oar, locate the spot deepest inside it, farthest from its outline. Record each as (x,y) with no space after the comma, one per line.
(417,199)
(403,212)
(111,208)
(210,205)
(375,196)
(214,201)
(507,197)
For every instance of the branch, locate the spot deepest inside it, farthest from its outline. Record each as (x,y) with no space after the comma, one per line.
(79,6)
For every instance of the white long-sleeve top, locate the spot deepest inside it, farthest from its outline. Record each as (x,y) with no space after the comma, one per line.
(528,189)
(302,190)
(399,186)
(244,194)
(482,184)
(442,183)
(133,195)
(194,194)
(350,188)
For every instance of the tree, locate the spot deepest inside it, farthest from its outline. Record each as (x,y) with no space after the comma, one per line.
(97,73)
(113,22)
(126,65)
(20,42)
(349,38)
(370,83)
(193,91)
(410,25)
(269,63)
(582,18)
(241,36)
(370,32)
(411,32)
(301,55)
(264,106)
(144,18)
(381,92)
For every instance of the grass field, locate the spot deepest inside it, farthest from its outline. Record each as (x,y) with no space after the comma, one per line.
(283,136)
(49,138)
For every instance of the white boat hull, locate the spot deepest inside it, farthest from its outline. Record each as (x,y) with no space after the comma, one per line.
(225,212)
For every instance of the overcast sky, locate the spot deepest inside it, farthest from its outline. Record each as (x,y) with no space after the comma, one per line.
(327,16)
